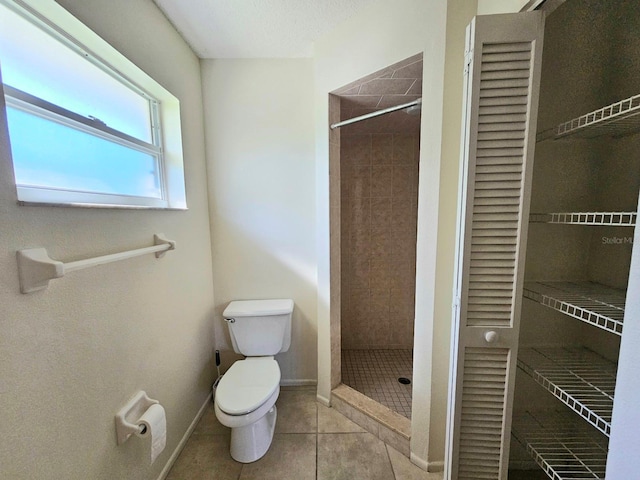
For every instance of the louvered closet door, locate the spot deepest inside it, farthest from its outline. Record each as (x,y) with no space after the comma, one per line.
(501,92)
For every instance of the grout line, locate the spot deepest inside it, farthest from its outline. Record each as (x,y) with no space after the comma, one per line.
(393,470)
(410,87)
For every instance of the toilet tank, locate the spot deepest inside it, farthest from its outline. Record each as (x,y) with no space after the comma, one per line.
(259,327)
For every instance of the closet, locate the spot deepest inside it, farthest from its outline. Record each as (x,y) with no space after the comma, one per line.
(550,199)
(584,199)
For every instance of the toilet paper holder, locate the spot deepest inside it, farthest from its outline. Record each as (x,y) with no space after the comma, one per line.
(128,417)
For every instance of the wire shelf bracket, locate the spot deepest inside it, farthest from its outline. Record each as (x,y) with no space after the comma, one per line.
(36,268)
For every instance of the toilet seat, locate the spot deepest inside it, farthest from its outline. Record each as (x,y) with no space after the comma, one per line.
(247,385)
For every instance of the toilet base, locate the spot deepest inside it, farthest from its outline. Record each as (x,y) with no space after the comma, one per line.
(251,442)
(252,433)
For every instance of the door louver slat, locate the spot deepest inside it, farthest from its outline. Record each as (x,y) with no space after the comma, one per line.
(501,75)
(504,100)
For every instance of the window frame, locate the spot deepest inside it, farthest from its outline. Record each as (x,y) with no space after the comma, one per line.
(164,110)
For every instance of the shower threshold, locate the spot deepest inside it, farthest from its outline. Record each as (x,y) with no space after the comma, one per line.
(389,426)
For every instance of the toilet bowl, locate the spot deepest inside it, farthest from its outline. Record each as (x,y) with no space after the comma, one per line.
(245,402)
(246,395)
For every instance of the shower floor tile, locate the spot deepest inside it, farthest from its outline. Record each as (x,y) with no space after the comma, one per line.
(375,374)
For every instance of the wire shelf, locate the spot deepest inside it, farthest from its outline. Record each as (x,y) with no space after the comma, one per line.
(563,448)
(578,377)
(615,219)
(617,119)
(590,302)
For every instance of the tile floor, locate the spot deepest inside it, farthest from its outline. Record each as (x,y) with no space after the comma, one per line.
(375,373)
(311,442)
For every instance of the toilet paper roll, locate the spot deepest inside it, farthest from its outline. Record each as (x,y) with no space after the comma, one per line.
(155,422)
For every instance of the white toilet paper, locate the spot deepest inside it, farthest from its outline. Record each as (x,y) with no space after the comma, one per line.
(155,421)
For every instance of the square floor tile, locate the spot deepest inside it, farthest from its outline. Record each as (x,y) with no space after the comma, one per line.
(350,456)
(290,457)
(297,411)
(332,421)
(205,457)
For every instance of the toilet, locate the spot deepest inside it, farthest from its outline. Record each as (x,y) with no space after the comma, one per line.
(245,399)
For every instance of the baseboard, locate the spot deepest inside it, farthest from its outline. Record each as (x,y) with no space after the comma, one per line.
(431,467)
(298,382)
(176,453)
(323,400)
(420,462)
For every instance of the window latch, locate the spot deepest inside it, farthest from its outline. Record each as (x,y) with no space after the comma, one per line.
(96,120)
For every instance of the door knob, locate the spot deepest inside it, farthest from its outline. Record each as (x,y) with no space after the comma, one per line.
(490,336)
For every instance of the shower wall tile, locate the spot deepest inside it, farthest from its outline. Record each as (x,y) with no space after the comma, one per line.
(381,181)
(380,265)
(381,214)
(379,205)
(356,150)
(416,88)
(381,148)
(413,70)
(360,182)
(404,181)
(334,175)
(345,177)
(360,273)
(403,149)
(380,302)
(385,86)
(380,280)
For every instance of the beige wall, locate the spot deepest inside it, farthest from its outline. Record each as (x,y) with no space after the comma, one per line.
(72,355)
(259,117)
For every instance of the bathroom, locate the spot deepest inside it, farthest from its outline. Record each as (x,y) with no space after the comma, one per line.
(73,354)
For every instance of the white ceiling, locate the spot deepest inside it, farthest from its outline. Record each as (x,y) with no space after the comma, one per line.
(257,28)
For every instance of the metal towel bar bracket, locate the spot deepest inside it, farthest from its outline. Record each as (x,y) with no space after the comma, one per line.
(36,268)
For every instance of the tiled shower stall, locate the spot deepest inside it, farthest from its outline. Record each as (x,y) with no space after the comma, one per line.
(378,172)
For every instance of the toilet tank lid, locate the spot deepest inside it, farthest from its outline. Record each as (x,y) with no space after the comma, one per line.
(251,308)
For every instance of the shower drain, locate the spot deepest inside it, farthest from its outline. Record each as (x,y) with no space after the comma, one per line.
(404,380)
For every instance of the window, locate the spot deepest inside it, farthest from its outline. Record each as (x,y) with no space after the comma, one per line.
(84,122)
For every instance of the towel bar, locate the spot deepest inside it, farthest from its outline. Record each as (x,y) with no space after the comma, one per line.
(36,268)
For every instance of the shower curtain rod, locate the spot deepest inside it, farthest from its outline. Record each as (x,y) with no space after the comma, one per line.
(375,114)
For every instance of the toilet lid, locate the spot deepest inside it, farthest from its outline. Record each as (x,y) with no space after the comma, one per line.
(247,385)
